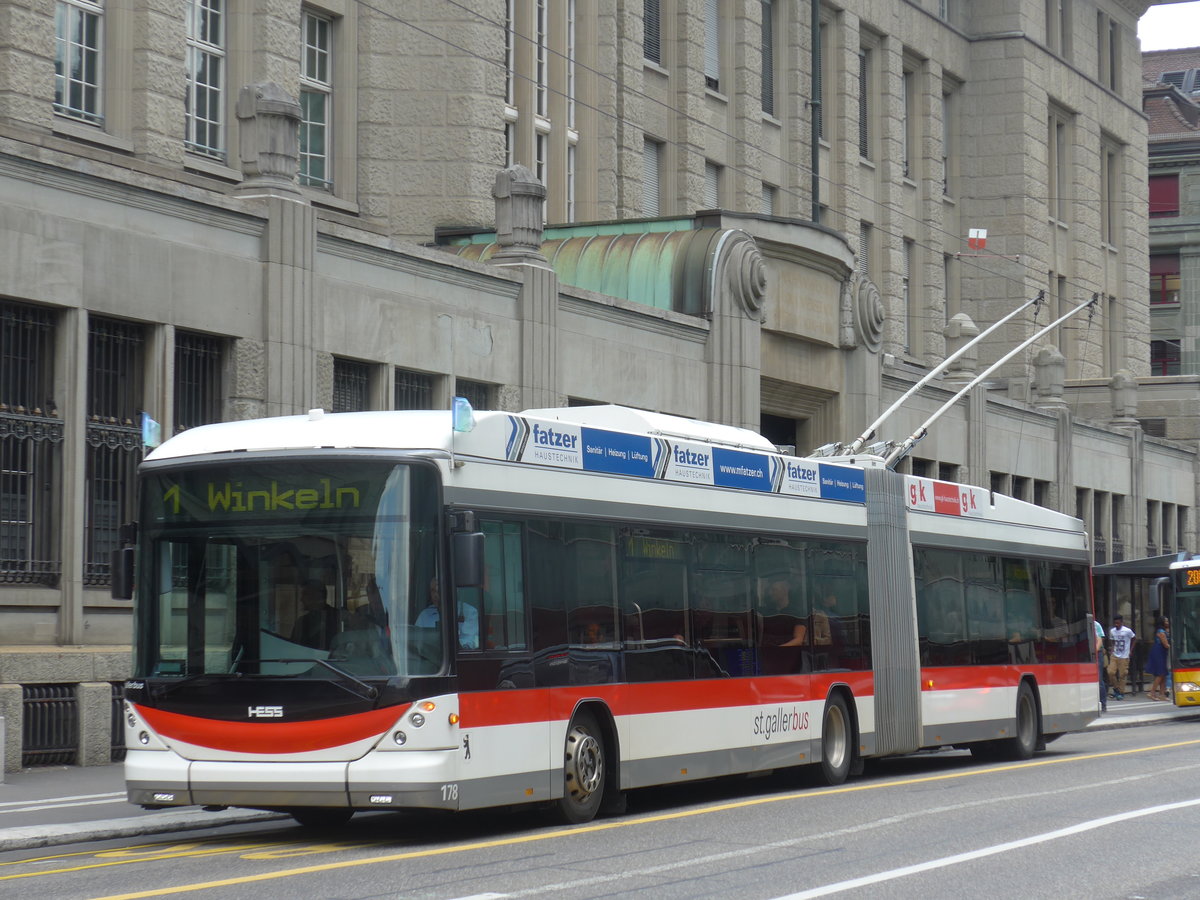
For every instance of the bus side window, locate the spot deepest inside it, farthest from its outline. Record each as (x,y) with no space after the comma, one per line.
(500,623)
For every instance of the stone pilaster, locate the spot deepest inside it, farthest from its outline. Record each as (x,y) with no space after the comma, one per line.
(293,328)
(94,701)
(72,361)
(738,291)
(12,708)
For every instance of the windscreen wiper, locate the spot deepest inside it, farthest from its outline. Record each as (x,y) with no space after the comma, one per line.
(366,691)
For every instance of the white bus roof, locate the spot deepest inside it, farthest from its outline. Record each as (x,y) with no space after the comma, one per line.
(611,440)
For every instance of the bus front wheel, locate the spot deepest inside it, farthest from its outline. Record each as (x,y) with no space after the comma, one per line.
(837,750)
(583,770)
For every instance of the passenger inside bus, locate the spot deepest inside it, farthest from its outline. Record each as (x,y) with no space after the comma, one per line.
(781,622)
(468,618)
(318,622)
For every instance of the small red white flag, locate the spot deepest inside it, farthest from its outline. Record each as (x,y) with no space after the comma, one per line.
(977,238)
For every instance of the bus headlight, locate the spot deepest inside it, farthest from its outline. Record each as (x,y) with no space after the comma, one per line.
(400,738)
(417,720)
(143,737)
(1187,687)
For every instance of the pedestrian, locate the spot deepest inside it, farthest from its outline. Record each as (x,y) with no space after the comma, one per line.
(1100,665)
(1118,663)
(1156,663)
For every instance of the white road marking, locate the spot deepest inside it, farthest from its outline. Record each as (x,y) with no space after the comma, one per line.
(693,862)
(61,799)
(57,805)
(957,858)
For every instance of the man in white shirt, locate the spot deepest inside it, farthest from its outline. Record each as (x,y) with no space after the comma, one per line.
(1118,664)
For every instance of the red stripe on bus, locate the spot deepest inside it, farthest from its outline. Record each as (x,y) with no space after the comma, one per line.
(271,737)
(960,678)
(514,707)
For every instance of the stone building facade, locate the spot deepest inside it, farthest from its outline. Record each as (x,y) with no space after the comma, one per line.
(217,209)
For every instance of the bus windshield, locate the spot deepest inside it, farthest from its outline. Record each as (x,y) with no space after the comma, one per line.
(292,568)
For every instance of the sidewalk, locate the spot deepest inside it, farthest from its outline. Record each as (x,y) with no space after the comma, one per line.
(43,807)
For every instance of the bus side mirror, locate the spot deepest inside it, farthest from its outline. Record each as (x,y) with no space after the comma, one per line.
(121,574)
(467,548)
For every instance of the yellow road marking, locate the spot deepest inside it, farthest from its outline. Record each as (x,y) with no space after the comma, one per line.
(595,827)
(142,857)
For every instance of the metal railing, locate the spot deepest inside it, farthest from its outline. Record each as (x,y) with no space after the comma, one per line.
(50,733)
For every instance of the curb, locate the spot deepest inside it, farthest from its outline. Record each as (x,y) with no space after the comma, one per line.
(106,829)
(1109,724)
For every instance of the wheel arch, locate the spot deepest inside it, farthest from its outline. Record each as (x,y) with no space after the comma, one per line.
(608,732)
(844,691)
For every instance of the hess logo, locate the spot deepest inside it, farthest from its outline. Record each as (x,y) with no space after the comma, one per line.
(264,712)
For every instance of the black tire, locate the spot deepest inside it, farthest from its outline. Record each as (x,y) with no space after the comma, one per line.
(1026,737)
(837,741)
(321,817)
(583,771)
(1028,732)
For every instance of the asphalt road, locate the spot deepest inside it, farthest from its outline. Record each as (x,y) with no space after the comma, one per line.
(1106,814)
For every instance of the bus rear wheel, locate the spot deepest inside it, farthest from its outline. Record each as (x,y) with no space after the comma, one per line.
(837,749)
(583,771)
(1025,740)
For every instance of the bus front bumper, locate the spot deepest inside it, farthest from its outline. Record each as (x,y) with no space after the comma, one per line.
(396,780)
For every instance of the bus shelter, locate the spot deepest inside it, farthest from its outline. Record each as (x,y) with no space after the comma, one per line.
(1137,590)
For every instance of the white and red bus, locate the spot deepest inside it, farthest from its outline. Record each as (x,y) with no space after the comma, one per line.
(376,611)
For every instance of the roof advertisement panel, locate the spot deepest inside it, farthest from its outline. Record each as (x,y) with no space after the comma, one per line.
(568,446)
(946,498)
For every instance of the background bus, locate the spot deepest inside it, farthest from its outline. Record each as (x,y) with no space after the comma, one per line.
(374,611)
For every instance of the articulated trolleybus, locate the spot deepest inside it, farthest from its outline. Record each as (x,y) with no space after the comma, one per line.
(378,611)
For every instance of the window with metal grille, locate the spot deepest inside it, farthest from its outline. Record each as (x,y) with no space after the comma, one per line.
(204,101)
(197,380)
(113,436)
(712,186)
(768,57)
(31,439)
(316,100)
(712,45)
(864,107)
(478,393)
(864,249)
(651,187)
(78,59)
(414,390)
(651,31)
(768,200)
(351,386)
